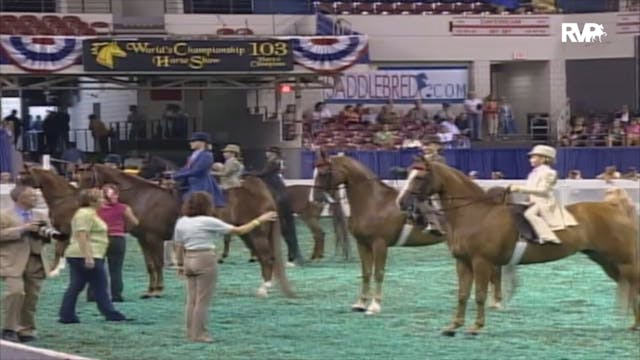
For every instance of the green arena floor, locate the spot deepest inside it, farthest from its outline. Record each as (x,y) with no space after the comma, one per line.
(562,310)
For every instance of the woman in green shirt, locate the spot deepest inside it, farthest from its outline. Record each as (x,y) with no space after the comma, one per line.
(85,256)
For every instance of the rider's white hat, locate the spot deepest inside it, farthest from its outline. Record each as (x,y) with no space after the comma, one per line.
(544,150)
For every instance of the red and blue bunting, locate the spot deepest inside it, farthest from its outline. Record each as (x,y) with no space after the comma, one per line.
(330,54)
(41,54)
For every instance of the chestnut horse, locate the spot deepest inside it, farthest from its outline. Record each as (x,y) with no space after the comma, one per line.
(376,221)
(158,210)
(62,202)
(606,234)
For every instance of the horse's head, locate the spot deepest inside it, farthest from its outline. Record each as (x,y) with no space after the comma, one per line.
(88,177)
(423,181)
(327,176)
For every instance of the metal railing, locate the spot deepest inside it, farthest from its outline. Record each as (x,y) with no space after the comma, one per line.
(57,6)
(209,6)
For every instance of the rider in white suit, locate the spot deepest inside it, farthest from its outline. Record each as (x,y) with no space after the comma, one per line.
(544,213)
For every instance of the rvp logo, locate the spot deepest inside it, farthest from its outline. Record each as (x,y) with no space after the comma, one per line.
(590,32)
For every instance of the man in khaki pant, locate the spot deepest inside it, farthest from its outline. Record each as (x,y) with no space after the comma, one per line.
(22,267)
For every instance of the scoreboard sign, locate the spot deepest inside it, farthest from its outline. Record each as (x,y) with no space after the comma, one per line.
(158,55)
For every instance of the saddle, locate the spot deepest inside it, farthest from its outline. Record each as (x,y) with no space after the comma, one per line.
(525,230)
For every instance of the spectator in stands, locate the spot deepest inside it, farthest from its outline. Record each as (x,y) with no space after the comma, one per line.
(37,123)
(50,132)
(138,123)
(497,175)
(624,115)
(616,136)
(72,156)
(319,117)
(597,134)
(491,115)
(85,257)
(633,132)
(473,108)
(610,173)
(418,112)
(505,117)
(349,115)
(462,122)
(14,124)
(387,114)
(565,141)
(445,113)
(22,265)
(577,132)
(412,142)
(631,174)
(100,134)
(5,178)
(575,175)
(385,137)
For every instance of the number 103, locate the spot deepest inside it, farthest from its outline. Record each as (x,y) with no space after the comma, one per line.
(269,49)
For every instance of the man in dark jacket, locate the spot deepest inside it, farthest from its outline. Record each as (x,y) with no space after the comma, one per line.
(271,175)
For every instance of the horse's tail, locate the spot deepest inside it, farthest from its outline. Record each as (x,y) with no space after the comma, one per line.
(340,229)
(509,282)
(278,262)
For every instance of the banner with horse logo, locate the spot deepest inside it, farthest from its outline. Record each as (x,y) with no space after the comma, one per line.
(41,53)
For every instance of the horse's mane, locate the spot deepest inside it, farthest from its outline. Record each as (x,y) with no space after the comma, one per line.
(50,175)
(358,166)
(132,178)
(457,176)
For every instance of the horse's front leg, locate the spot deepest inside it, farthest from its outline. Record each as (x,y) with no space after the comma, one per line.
(366,261)
(496,281)
(481,274)
(380,261)
(465,281)
(225,251)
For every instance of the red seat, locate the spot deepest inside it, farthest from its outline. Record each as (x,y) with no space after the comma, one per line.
(244,31)
(28,18)
(71,18)
(6,29)
(342,8)
(364,8)
(100,24)
(225,31)
(404,8)
(87,31)
(385,8)
(421,8)
(8,18)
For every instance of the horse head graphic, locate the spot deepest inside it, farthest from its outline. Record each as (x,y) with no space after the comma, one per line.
(107,52)
(598,33)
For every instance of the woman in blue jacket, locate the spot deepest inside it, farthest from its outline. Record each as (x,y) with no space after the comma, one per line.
(196,174)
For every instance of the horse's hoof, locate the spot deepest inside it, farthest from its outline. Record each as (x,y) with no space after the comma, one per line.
(474,330)
(359,307)
(448,332)
(146,296)
(374,308)
(262,292)
(253,260)
(220,261)
(496,306)
(635,327)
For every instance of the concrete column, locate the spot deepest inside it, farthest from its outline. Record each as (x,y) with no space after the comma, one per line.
(481,78)
(557,96)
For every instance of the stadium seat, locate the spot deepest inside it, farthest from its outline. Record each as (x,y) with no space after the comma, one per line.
(225,31)
(364,8)
(244,31)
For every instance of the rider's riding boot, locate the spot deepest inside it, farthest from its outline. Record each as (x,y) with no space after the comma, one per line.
(551,240)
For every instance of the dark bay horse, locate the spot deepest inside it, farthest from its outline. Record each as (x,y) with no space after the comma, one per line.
(310,213)
(376,221)
(158,209)
(606,234)
(298,195)
(62,202)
